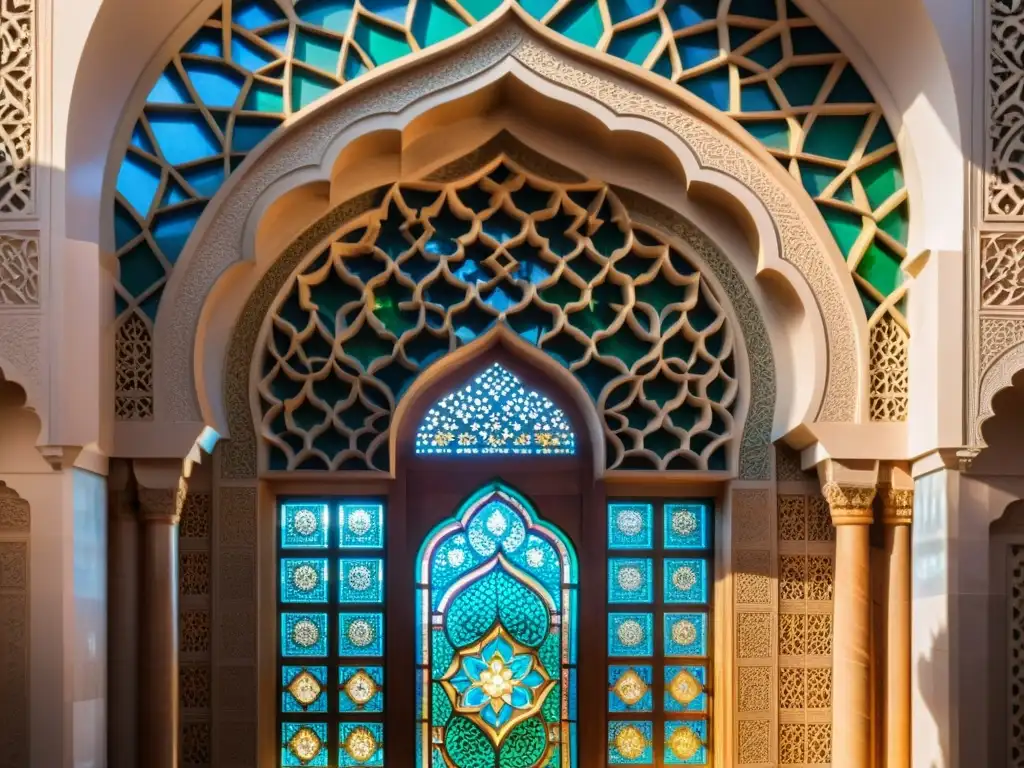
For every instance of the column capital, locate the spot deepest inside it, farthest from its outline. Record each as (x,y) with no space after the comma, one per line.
(897,506)
(850,504)
(162,505)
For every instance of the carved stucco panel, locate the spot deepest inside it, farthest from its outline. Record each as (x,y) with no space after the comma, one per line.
(17,83)
(20,349)
(19,269)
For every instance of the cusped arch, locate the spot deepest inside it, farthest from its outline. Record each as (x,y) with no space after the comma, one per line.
(218,244)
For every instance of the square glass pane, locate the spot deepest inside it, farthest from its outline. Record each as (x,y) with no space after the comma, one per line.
(630,580)
(630,742)
(686,634)
(686,525)
(685,689)
(630,634)
(304,689)
(629,689)
(630,526)
(361,689)
(303,634)
(686,742)
(361,744)
(303,744)
(361,580)
(304,526)
(361,634)
(304,580)
(362,526)
(686,580)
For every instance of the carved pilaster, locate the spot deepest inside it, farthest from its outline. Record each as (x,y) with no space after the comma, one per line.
(849,504)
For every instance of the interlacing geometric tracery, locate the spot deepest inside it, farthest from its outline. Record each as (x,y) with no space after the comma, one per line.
(436,266)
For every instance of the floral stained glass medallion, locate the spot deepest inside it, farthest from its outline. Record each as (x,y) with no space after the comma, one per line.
(496,639)
(495,414)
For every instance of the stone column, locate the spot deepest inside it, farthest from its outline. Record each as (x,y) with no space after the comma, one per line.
(851,653)
(123,620)
(158,661)
(898,511)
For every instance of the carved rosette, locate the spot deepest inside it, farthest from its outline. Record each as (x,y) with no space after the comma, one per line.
(849,504)
(897,506)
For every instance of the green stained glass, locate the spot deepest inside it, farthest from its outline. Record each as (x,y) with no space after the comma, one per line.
(496,654)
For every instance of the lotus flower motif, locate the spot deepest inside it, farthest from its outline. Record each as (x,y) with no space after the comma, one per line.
(497,683)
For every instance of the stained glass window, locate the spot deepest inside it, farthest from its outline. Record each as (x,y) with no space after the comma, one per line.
(331,628)
(659,647)
(495,414)
(496,639)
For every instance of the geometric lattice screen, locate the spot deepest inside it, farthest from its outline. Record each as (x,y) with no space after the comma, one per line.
(331,633)
(436,265)
(660,571)
(255,62)
(496,640)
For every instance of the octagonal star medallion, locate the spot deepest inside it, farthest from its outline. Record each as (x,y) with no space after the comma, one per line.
(497,683)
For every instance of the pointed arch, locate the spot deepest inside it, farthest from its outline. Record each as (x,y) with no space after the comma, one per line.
(496,594)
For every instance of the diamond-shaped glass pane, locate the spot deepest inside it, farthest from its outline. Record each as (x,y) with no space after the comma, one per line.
(361,689)
(630,742)
(685,742)
(304,689)
(303,744)
(629,688)
(361,744)
(684,689)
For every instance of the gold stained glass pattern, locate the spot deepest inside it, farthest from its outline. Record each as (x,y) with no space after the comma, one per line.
(360,688)
(360,744)
(683,743)
(630,687)
(631,742)
(684,687)
(305,744)
(305,688)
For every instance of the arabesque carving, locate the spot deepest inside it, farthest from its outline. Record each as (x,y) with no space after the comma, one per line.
(890,375)
(849,503)
(19,269)
(1005,198)
(436,266)
(17,84)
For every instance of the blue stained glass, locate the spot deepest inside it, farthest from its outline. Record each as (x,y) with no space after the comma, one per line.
(304,581)
(630,742)
(629,689)
(687,526)
(630,526)
(303,634)
(303,744)
(495,414)
(304,689)
(137,182)
(184,137)
(686,634)
(686,580)
(361,634)
(630,634)
(630,580)
(362,526)
(217,84)
(361,689)
(685,689)
(681,746)
(303,525)
(362,580)
(361,744)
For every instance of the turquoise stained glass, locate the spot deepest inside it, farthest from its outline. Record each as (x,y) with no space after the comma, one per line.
(685,742)
(630,688)
(303,634)
(304,580)
(361,689)
(303,744)
(362,526)
(685,689)
(630,742)
(630,634)
(686,580)
(304,526)
(304,689)
(495,414)
(687,526)
(686,634)
(630,580)
(361,634)
(361,580)
(496,601)
(361,744)
(630,526)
